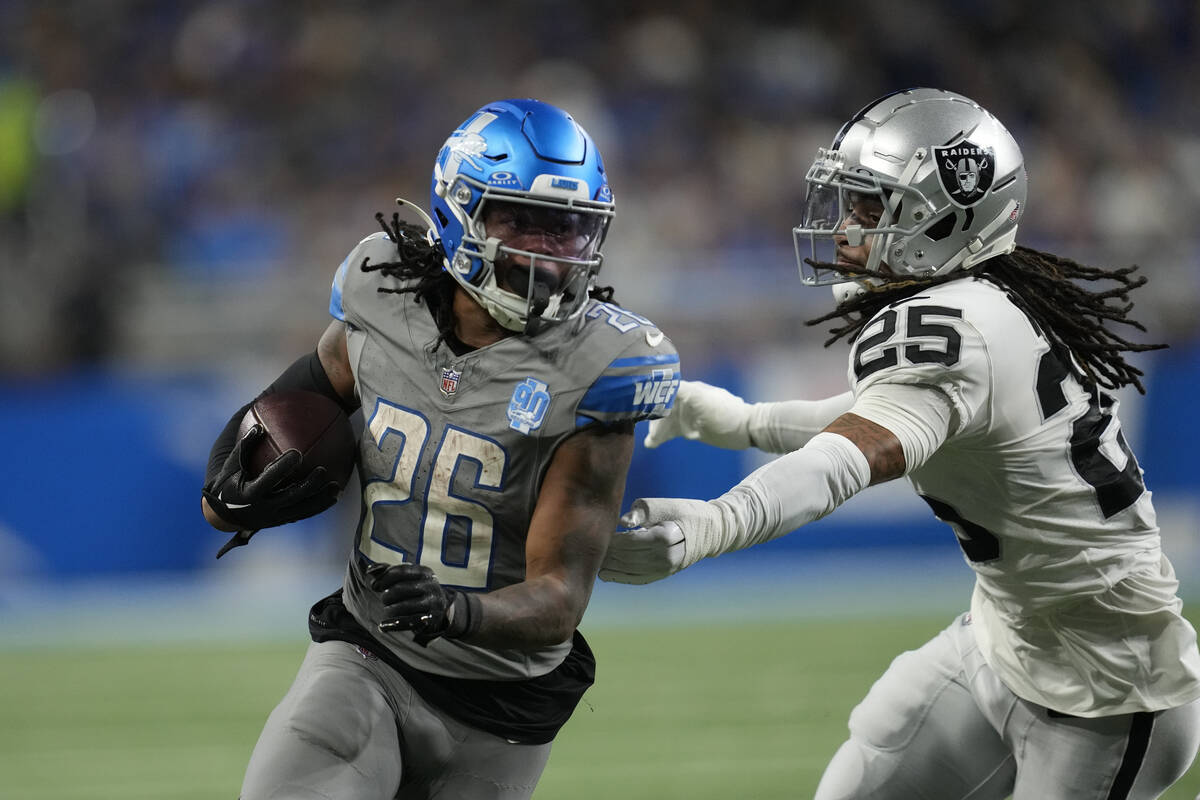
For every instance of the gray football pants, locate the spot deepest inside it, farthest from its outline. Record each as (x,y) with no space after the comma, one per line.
(939,725)
(352,727)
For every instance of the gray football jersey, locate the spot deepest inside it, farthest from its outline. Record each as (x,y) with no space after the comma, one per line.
(454,448)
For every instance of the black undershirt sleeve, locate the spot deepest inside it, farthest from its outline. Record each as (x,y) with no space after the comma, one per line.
(223,446)
(306,373)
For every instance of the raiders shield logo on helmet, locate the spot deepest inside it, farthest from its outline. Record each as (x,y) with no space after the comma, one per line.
(966,171)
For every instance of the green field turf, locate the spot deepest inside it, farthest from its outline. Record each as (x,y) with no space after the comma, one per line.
(677,712)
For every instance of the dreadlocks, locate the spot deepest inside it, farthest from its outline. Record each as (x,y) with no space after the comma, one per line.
(1044,286)
(421,260)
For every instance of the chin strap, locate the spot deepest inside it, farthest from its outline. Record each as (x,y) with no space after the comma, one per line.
(539,299)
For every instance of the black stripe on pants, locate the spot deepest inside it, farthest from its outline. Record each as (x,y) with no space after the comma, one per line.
(1135,754)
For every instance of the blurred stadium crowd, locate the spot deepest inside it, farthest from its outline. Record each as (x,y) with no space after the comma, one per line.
(176,178)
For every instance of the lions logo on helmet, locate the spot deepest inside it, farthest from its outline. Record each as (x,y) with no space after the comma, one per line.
(467,145)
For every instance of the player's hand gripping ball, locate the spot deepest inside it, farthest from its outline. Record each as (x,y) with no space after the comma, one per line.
(294,455)
(307,422)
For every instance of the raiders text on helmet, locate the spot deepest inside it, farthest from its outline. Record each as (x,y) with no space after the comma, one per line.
(949,176)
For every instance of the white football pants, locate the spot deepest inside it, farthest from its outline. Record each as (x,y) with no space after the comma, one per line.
(939,725)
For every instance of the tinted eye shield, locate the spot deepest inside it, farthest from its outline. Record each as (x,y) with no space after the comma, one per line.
(559,219)
(826,224)
(557,223)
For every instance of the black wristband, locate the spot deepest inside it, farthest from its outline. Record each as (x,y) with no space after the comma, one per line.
(467,616)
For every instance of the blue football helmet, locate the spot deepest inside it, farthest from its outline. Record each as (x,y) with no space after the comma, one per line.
(522,162)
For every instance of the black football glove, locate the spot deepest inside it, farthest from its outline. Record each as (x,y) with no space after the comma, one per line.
(414,601)
(271,498)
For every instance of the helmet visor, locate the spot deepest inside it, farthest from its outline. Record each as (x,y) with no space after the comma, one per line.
(815,236)
(836,216)
(843,214)
(572,233)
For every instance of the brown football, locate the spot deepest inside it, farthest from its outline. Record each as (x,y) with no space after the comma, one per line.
(306,421)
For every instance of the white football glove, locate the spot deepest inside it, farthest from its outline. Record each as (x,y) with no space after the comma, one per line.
(667,534)
(705,412)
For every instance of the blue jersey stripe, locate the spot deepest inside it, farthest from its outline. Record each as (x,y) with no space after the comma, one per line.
(632,396)
(611,394)
(639,361)
(336,310)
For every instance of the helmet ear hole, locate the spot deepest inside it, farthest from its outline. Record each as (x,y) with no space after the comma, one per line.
(441,217)
(942,228)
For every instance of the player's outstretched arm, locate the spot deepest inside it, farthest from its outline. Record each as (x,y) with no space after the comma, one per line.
(670,534)
(705,413)
(790,424)
(715,416)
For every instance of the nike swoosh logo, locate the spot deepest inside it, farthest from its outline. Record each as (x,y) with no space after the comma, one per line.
(654,338)
(232,506)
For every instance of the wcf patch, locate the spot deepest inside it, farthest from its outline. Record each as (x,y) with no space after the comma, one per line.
(657,390)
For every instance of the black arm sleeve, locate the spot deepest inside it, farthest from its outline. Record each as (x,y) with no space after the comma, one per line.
(307,373)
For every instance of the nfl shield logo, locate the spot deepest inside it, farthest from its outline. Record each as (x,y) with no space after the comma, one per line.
(450,380)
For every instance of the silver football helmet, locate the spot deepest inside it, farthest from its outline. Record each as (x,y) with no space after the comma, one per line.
(950,179)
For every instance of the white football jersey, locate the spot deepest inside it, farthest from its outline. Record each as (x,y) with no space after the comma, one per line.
(1075,606)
